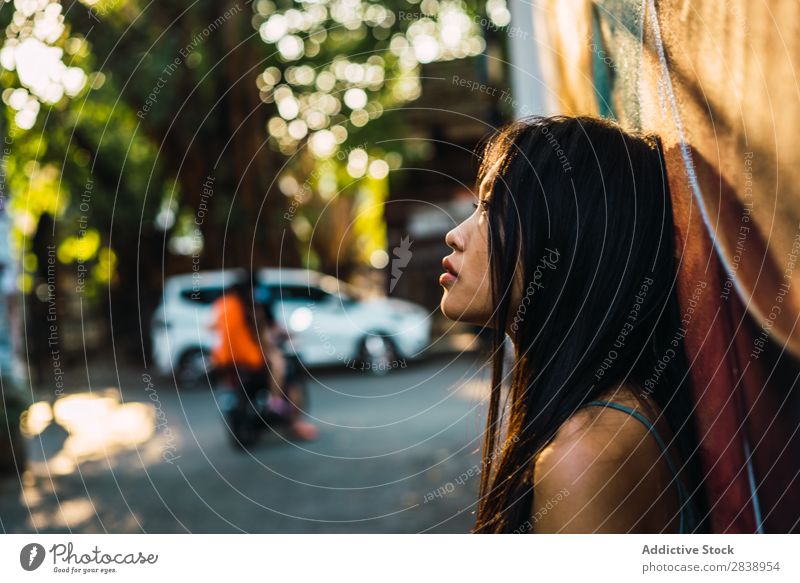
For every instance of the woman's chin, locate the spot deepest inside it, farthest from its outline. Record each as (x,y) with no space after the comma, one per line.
(457,312)
(444,310)
(448,309)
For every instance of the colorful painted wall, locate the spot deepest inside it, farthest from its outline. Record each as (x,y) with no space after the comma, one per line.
(718,81)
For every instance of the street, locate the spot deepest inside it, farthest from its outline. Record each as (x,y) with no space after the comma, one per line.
(397,453)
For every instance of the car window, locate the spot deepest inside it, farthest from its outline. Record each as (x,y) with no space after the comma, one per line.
(299,293)
(203,296)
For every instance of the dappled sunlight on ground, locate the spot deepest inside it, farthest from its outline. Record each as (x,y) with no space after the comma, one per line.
(78,436)
(96,425)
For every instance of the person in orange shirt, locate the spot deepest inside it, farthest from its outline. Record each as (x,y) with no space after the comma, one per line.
(235,323)
(240,323)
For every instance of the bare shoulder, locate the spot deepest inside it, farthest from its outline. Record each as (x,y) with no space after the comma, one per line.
(605,470)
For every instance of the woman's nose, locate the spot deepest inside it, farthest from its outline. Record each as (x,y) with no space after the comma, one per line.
(453,240)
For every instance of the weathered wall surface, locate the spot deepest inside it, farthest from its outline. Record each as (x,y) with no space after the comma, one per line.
(718,81)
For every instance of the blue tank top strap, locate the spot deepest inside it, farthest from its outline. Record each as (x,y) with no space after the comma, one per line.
(682,497)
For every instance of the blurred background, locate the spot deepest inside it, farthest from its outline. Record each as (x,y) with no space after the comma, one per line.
(151,148)
(151,151)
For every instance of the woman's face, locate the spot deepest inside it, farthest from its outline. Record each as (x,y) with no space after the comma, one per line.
(466,279)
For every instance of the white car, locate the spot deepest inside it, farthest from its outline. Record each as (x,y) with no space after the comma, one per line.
(328,325)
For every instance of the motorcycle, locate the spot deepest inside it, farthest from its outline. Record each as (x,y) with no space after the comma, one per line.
(249,408)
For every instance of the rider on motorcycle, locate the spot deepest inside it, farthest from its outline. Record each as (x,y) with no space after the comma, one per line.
(240,323)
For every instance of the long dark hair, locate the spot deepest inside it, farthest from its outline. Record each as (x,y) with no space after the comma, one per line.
(244,288)
(585,209)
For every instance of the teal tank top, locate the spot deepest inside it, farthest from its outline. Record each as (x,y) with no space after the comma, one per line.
(688,514)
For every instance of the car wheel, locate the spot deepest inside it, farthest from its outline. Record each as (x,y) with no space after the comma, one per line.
(377,354)
(193,369)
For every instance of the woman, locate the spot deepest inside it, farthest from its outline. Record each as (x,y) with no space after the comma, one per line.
(570,254)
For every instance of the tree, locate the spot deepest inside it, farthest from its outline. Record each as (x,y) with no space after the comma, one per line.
(166,137)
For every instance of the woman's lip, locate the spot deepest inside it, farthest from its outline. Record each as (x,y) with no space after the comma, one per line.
(448,266)
(447,279)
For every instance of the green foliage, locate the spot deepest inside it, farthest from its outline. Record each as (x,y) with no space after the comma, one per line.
(155,96)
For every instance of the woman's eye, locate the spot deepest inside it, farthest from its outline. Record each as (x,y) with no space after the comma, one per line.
(481,205)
